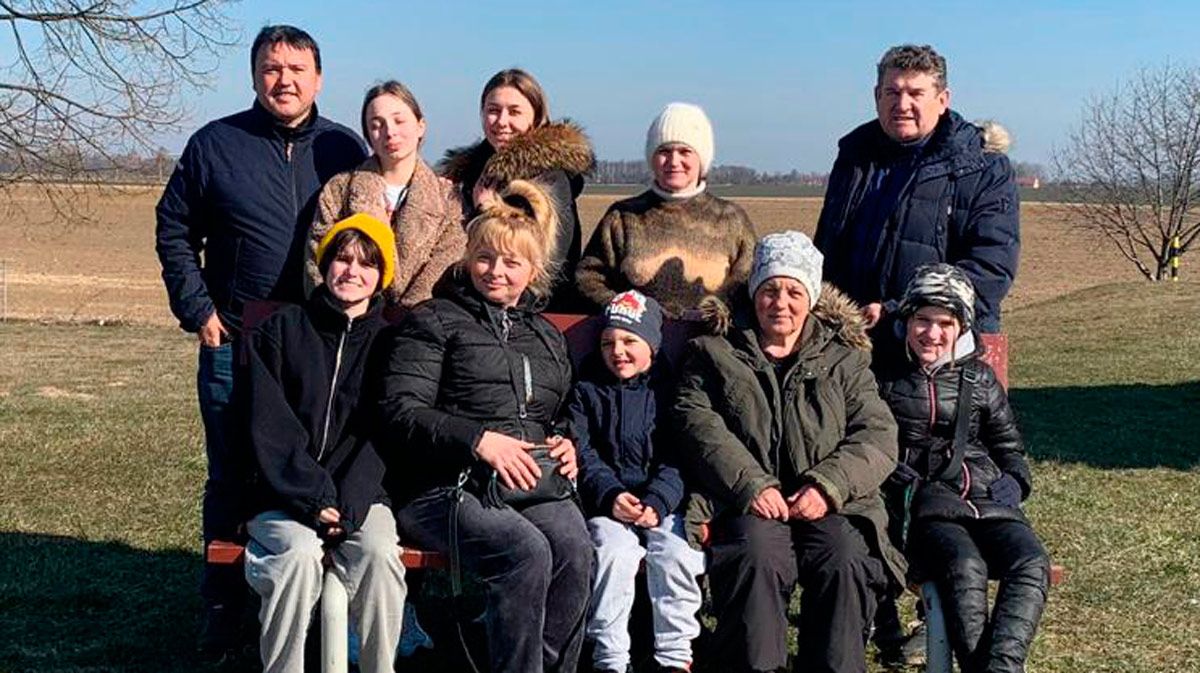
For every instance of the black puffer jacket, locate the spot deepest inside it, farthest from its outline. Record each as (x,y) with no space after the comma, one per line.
(308,432)
(449,373)
(925,406)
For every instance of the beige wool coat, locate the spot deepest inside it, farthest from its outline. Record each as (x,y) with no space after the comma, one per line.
(428,226)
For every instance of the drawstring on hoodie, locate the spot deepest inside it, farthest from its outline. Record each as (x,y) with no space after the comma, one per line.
(337,368)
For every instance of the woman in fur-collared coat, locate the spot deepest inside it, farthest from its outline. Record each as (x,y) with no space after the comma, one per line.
(676,242)
(395,185)
(520,142)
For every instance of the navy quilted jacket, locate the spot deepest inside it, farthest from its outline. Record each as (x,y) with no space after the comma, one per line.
(615,428)
(243,194)
(960,207)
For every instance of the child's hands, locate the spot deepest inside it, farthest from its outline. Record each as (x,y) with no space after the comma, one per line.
(330,519)
(563,449)
(648,519)
(627,508)
(1006,491)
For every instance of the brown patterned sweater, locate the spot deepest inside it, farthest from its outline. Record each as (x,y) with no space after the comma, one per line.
(684,253)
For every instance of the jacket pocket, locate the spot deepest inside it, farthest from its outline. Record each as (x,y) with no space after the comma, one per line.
(984,473)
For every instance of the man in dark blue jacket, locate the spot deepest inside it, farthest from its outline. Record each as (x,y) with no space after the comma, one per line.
(918,185)
(243,194)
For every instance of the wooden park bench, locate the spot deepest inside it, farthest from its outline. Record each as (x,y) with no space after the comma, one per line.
(582,334)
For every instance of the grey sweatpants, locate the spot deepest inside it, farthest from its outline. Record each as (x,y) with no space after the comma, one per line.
(675,598)
(283,564)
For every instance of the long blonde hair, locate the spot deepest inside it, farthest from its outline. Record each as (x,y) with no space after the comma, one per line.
(521,220)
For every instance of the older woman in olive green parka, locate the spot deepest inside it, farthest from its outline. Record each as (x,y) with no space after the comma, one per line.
(787,437)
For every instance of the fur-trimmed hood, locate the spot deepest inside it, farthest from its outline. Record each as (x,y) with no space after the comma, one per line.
(559,145)
(839,317)
(996,138)
(843,317)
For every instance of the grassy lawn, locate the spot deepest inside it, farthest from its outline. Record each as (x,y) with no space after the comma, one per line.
(101,465)
(1106,382)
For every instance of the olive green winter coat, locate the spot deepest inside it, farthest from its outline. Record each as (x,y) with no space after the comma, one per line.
(738,426)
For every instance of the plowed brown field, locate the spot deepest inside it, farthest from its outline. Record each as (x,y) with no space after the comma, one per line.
(103,267)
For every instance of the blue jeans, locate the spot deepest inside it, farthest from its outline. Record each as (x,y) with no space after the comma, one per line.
(536,566)
(221,507)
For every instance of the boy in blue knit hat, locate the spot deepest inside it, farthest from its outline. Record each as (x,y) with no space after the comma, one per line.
(631,495)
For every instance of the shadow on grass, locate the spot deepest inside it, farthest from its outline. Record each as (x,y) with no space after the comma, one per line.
(69,605)
(1134,426)
(74,605)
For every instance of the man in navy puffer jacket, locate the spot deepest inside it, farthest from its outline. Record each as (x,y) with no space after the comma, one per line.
(918,185)
(242,195)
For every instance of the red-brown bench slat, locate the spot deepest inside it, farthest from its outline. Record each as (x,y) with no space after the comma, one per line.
(223,552)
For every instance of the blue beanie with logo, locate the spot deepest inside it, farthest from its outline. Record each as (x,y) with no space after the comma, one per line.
(635,312)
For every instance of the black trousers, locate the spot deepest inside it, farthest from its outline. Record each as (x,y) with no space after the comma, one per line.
(961,556)
(755,565)
(536,565)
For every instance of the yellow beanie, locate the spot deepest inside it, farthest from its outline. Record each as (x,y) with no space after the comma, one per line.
(373,229)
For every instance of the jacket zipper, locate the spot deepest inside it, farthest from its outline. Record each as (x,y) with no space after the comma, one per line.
(337,367)
(287,153)
(932,403)
(524,389)
(967,489)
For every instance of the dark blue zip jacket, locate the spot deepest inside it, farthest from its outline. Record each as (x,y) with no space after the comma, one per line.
(243,193)
(305,419)
(615,428)
(960,206)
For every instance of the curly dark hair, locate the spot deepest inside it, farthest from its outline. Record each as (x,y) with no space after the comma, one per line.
(911,57)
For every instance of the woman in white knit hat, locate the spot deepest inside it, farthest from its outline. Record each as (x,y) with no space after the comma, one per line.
(676,242)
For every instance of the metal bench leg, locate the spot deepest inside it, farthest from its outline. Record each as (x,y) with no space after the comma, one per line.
(335,610)
(939,657)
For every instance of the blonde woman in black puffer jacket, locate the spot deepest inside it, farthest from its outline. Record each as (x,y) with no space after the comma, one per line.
(473,381)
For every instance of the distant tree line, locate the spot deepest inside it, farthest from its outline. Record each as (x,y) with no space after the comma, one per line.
(69,164)
(636,172)
(1025,169)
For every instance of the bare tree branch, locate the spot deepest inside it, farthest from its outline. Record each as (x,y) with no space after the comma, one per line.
(1132,166)
(93,83)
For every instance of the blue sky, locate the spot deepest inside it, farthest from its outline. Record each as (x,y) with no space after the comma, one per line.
(782,81)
